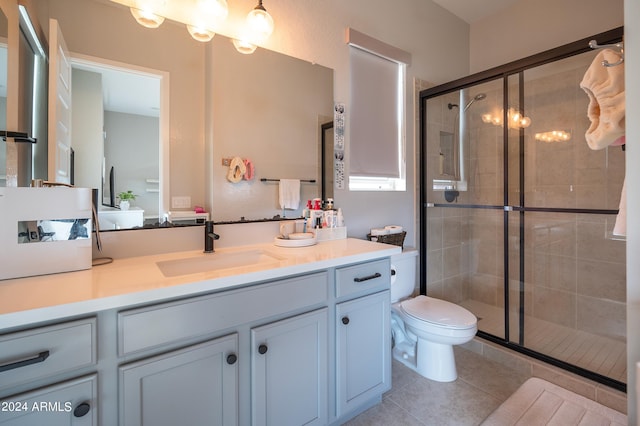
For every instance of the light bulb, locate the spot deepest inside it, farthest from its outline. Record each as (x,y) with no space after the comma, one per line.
(200,34)
(148,13)
(525,122)
(207,16)
(260,23)
(244,46)
(486,118)
(146,18)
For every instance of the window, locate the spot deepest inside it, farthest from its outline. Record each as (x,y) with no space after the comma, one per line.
(376,154)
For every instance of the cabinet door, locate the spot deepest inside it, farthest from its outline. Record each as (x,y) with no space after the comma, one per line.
(289,371)
(363,350)
(197,385)
(70,403)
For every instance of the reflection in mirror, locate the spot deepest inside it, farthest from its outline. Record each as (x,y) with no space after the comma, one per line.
(268,108)
(327,160)
(116,139)
(250,105)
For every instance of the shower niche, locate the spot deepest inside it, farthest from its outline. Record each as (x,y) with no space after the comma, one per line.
(519,211)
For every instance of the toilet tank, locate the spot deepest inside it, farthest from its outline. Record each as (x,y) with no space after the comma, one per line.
(403,274)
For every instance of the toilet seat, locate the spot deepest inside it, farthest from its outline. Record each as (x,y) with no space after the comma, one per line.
(439,312)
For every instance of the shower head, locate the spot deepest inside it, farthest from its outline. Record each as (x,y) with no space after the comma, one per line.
(478,97)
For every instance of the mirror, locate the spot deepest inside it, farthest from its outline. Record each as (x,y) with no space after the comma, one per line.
(238,105)
(4,32)
(268,108)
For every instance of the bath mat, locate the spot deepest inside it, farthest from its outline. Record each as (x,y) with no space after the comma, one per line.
(538,402)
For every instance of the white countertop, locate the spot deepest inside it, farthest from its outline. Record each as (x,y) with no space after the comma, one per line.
(138,280)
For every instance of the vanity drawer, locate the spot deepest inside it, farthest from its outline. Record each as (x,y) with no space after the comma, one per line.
(173,322)
(363,278)
(46,351)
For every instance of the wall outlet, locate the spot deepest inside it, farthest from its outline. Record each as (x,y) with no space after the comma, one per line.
(183,202)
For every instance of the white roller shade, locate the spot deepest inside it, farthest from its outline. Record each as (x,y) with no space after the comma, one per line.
(375,115)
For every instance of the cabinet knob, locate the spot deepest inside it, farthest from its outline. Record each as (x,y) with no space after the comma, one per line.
(345,320)
(231,359)
(81,410)
(262,349)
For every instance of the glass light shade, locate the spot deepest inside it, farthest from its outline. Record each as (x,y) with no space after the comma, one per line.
(200,34)
(244,46)
(213,9)
(260,23)
(147,18)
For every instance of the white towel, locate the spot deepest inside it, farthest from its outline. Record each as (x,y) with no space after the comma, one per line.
(289,192)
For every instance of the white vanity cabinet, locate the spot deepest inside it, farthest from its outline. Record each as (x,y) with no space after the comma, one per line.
(71,403)
(195,386)
(307,342)
(56,361)
(269,366)
(363,335)
(289,365)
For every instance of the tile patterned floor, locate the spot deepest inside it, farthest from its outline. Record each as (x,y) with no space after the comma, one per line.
(599,354)
(482,385)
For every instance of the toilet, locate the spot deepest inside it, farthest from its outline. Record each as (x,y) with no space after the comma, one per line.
(424,329)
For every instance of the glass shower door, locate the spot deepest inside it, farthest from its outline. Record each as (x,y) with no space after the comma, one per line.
(519,216)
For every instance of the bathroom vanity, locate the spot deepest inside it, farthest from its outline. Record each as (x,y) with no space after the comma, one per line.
(285,336)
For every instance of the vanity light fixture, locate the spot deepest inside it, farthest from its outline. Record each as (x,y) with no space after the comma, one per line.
(244,46)
(260,23)
(258,28)
(206,15)
(554,136)
(203,18)
(146,12)
(515,119)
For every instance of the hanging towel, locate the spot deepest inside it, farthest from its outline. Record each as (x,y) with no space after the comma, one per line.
(605,88)
(620,228)
(289,194)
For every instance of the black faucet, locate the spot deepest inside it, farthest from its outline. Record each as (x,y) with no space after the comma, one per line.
(209,236)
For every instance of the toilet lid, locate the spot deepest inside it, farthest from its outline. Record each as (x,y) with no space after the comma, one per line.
(439,312)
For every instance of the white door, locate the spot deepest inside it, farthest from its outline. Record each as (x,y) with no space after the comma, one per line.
(59,106)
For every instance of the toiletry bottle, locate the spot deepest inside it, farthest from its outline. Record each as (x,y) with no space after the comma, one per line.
(340,218)
(306,212)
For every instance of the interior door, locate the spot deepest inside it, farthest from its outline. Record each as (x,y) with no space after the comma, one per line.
(59,106)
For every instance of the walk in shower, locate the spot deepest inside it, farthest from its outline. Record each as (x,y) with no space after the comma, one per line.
(518,212)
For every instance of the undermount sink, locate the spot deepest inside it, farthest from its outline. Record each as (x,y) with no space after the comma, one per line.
(217,261)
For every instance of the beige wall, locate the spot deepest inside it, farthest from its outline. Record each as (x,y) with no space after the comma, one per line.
(529,27)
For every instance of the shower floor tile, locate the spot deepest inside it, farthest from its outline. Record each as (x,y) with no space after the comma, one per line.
(592,352)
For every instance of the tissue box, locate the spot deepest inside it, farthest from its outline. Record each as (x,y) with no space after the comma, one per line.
(45,230)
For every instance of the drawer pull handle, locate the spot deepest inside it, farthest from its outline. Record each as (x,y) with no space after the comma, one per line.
(262,349)
(345,320)
(231,359)
(367,278)
(81,410)
(33,360)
